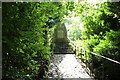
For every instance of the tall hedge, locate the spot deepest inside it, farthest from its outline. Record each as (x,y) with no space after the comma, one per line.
(100,34)
(26,37)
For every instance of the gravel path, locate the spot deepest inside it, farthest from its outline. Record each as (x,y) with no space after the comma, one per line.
(66,66)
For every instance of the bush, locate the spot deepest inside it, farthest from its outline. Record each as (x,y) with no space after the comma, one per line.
(27,38)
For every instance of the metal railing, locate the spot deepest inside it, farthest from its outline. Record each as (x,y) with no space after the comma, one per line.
(93,54)
(112,60)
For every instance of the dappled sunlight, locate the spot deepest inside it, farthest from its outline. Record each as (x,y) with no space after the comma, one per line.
(71,68)
(74,27)
(78,39)
(67,67)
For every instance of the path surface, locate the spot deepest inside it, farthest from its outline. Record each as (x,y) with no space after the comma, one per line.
(66,66)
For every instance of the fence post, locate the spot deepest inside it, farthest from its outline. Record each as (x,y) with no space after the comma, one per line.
(81,53)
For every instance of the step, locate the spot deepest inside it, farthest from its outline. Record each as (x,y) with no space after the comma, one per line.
(64,53)
(63,50)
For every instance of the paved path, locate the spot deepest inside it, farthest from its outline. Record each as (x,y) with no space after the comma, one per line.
(66,66)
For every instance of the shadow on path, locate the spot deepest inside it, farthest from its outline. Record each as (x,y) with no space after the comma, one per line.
(67,66)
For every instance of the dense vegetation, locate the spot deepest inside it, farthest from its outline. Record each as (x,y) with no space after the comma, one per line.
(100,34)
(27,31)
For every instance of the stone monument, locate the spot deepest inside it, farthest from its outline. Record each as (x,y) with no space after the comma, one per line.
(60,33)
(60,39)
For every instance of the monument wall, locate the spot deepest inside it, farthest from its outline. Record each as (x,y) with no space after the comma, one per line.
(60,33)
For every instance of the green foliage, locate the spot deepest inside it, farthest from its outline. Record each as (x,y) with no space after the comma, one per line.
(28,33)
(73,28)
(90,43)
(110,46)
(27,37)
(100,34)
(104,25)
